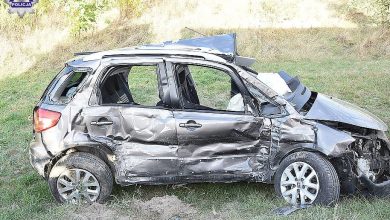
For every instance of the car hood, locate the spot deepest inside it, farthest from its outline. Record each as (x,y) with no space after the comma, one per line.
(327,108)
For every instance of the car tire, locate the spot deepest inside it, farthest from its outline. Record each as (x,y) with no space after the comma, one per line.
(321,187)
(80,178)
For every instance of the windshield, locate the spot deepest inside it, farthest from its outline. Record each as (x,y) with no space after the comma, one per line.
(250,76)
(263,94)
(290,88)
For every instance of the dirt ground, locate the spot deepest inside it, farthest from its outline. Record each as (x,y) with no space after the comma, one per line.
(165,207)
(95,211)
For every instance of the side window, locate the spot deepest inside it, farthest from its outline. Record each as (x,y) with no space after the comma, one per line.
(206,88)
(136,85)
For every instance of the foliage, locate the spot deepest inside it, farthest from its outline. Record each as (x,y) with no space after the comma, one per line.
(43,6)
(130,8)
(384,12)
(83,13)
(377,11)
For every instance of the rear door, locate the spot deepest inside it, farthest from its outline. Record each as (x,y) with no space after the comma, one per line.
(133,117)
(219,137)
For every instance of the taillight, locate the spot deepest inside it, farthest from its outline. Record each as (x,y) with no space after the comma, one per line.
(45,119)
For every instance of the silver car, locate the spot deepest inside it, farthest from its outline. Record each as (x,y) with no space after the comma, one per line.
(194,111)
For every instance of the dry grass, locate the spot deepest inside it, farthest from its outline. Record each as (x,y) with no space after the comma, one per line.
(272,44)
(24,41)
(57,47)
(171,16)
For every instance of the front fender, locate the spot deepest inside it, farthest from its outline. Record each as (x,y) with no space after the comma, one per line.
(290,135)
(332,142)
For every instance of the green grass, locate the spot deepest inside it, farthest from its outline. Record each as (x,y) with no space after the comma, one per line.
(143,85)
(23,194)
(212,86)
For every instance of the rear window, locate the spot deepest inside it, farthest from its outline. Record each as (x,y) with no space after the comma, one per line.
(65,85)
(64,71)
(74,81)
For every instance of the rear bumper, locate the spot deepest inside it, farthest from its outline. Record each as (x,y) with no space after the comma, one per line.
(39,157)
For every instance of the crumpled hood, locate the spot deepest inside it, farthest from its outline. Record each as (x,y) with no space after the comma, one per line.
(327,108)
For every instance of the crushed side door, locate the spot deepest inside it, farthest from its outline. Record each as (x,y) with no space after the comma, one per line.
(220,146)
(142,138)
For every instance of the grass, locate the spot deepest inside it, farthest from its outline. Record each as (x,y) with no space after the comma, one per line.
(143,85)
(363,80)
(212,86)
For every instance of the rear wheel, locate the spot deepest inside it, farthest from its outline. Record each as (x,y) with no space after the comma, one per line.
(80,178)
(305,178)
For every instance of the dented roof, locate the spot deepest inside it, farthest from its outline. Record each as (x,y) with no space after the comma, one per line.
(219,48)
(223,44)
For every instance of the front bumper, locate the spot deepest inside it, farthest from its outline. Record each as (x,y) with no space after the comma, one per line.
(39,157)
(376,189)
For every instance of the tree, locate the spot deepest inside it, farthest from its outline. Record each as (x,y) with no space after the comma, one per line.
(83,13)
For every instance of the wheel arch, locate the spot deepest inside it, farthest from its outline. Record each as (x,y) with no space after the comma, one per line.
(285,154)
(98,150)
(281,155)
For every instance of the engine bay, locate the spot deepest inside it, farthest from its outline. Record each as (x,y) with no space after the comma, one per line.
(367,163)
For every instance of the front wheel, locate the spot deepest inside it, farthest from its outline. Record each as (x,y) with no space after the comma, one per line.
(80,178)
(305,178)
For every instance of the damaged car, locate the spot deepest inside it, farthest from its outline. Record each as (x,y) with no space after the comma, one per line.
(192,111)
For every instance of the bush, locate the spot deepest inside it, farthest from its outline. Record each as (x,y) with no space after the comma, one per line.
(377,11)
(83,14)
(384,12)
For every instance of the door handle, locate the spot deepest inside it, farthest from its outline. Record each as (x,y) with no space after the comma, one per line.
(190,124)
(102,121)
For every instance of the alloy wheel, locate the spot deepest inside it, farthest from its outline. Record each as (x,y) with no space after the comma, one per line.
(78,186)
(299,184)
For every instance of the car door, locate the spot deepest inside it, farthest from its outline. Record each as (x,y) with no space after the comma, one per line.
(215,143)
(132,117)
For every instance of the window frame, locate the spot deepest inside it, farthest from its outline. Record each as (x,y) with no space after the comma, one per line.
(112,65)
(177,99)
(283,110)
(60,83)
